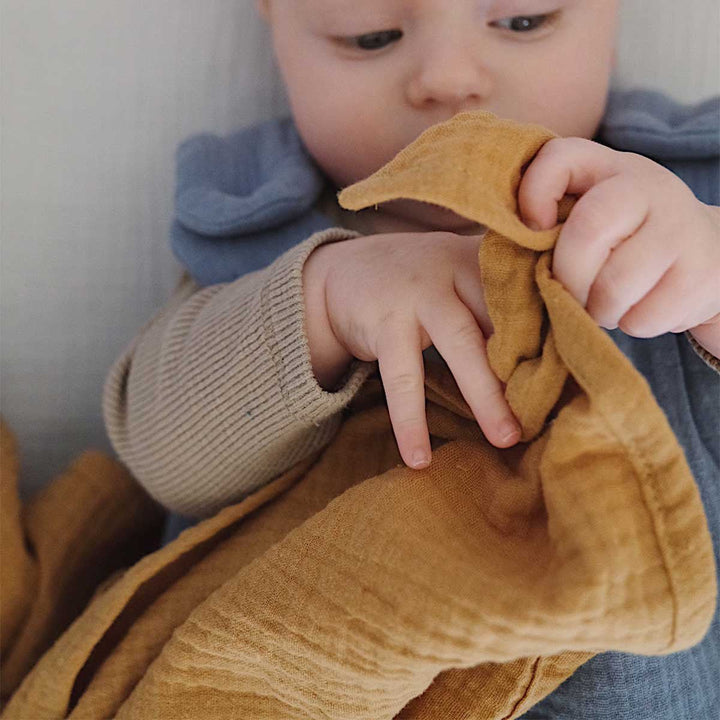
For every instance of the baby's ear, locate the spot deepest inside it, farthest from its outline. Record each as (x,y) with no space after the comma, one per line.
(263,9)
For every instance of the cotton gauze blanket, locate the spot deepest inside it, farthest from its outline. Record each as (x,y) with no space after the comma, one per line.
(352,587)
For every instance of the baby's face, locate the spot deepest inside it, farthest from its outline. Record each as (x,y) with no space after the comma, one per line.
(365,78)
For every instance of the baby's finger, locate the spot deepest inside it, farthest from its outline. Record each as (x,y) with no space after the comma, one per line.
(600,220)
(458,338)
(403,376)
(631,272)
(660,311)
(468,287)
(563,166)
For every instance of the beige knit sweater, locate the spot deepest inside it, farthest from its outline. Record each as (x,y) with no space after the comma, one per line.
(216,395)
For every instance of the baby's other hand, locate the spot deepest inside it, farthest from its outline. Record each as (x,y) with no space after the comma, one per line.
(638,249)
(387,298)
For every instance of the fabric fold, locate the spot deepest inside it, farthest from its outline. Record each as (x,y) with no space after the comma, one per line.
(353,587)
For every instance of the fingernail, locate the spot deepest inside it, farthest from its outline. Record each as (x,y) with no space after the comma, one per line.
(509,430)
(420,460)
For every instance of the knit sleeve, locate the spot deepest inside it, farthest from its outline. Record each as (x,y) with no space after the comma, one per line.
(216,396)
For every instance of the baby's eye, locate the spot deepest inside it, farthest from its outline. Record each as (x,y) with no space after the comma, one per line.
(374,40)
(524,23)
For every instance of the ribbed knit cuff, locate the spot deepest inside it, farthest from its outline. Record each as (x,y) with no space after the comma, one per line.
(283,310)
(706,355)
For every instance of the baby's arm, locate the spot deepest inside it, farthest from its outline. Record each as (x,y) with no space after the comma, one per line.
(216,396)
(224,389)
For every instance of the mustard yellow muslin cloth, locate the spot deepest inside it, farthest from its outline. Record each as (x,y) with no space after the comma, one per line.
(352,587)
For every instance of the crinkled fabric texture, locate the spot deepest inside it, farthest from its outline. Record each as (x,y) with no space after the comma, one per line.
(86,525)
(681,686)
(353,587)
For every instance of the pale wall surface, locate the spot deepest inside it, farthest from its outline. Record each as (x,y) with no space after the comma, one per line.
(671,45)
(96,94)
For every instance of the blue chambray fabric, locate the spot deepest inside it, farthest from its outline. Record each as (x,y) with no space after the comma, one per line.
(244,200)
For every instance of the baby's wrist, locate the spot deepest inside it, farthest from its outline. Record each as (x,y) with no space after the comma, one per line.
(329,359)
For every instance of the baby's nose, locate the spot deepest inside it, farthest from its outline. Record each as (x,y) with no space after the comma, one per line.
(454,77)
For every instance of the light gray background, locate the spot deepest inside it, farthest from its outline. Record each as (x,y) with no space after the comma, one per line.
(96,95)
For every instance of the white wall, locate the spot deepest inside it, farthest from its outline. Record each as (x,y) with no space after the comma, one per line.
(670,45)
(96,94)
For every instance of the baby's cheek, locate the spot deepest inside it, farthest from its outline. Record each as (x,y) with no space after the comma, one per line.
(346,161)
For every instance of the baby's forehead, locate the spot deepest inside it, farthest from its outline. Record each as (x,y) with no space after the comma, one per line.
(348,6)
(353,7)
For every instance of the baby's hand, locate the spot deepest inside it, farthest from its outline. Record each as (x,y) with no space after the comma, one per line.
(387,298)
(638,249)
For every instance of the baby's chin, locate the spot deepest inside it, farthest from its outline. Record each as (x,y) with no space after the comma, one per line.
(415,216)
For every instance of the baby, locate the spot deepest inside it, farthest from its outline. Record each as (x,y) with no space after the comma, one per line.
(233,383)
(364,79)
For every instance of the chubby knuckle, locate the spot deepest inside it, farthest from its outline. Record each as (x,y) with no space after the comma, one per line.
(403,383)
(636,325)
(630,327)
(609,284)
(389,322)
(408,423)
(465,334)
(633,159)
(553,146)
(591,216)
(639,165)
(568,146)
(575,143)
